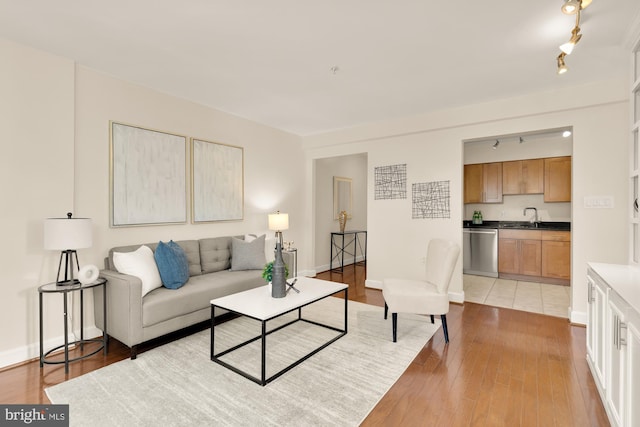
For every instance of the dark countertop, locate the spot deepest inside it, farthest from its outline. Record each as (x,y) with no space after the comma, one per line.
(520,225)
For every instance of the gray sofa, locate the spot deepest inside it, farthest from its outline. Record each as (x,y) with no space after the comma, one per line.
(134,319)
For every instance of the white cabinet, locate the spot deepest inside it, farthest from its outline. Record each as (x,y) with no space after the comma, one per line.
(613,339)
(616,356)
(633,369)
(596,328)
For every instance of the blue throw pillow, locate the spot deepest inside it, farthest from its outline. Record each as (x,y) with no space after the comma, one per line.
(172,264)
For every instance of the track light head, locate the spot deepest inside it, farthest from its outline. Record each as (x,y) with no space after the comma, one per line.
(521,140)
(570,7)
(562,67)
(573,41)
(496,144)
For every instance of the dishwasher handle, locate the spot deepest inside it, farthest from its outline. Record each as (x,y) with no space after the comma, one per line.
(470,231)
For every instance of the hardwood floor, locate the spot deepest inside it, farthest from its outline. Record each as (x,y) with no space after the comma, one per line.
(502,367)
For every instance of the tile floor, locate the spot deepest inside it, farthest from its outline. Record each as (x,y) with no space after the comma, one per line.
(526,296)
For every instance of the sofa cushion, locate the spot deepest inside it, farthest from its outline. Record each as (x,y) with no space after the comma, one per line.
(191,248)
(163,304)
(215,254)
(248,255)
(139,263)
(172,264)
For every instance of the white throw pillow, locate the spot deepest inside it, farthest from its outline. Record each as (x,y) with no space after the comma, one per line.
(139,263)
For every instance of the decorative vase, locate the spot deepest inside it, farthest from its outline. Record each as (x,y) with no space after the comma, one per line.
(278,275)
(342,218)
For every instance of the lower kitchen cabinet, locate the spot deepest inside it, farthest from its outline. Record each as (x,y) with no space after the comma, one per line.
(556,254)
(519,252)
(613,339)
(535,253)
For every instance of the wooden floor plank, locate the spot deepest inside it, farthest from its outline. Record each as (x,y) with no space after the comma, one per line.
(501,367)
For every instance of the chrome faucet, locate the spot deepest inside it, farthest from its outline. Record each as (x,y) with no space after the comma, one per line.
(524,212)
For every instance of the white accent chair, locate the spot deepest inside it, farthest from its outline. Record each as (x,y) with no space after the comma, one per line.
(429,296)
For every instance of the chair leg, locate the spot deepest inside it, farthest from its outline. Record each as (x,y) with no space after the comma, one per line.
(394,321)
(432,319)
(386,310)
(444,328)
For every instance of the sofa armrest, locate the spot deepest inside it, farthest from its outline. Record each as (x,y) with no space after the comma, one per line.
(124,307)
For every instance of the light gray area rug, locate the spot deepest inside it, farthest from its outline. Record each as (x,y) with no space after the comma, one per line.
(178,385)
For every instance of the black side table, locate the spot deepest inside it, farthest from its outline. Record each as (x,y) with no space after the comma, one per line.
(341,245)
(64,290)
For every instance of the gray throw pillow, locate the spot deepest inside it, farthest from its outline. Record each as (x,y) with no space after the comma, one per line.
(248,255)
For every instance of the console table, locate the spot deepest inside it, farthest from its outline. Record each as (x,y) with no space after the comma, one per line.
(50,288)
(341,243)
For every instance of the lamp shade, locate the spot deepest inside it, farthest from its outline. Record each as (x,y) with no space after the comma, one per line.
(278,221)
(67,233)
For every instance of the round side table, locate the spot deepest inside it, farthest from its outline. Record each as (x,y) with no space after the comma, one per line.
(54,288)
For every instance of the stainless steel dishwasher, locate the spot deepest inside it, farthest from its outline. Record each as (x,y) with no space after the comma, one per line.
(480,251)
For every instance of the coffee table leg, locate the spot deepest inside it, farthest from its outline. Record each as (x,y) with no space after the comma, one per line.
(213,326)
(346,298)
(264,352)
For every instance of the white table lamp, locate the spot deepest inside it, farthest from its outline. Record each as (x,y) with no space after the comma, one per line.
(67,235)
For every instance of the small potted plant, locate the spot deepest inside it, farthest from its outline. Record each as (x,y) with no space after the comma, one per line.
(267,272)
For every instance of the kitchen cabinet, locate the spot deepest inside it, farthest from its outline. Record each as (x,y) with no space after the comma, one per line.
(556,254)
(615,358)
(596,297)
(632,389)
(557,179)
(473,188)
(520,252)
(523,177)
(483,183)
(613,339)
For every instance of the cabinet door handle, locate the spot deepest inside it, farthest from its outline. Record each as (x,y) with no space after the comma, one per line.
(622,340)
(615,332)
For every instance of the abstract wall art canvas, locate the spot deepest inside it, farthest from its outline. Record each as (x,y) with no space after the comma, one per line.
(148,179)
(217,182)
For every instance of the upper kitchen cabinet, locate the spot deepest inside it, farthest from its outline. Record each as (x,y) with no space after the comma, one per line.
(483,183)
(523,177)
(557,179)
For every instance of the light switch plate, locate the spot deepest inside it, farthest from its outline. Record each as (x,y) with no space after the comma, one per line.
(598,202)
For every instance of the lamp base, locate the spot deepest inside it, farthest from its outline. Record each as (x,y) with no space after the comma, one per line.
(68,268)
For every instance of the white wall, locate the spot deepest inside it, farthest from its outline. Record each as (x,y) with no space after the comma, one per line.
(46,174)
(431,145)
(36,181)
(354,167)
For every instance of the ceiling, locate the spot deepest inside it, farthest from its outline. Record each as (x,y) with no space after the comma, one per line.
(272,62)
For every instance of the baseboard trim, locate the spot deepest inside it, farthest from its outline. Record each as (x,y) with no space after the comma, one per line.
(578,317)
(19,355)
(373,284)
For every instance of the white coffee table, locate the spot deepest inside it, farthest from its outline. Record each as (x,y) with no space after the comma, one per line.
(259,305)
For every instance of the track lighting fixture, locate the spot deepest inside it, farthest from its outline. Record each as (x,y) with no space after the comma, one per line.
(496,144)
(571,7)
(521,140)
(562,67)
(573,41)
(566,134)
